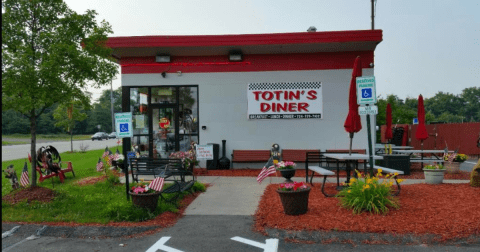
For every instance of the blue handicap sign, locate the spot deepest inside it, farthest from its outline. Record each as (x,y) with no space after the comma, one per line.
(123,127)
(415,120)
(366,93)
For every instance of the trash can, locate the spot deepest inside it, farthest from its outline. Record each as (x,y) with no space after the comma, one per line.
(397,162)
(213,164)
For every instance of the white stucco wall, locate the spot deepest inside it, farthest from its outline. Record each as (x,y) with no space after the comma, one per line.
(223,109)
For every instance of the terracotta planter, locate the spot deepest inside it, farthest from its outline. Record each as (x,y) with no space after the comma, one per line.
(453,167)
(287,174)
(434,177)
(145,200)
(294,202)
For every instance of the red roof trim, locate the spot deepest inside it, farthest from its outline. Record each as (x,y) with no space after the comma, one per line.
(245,39)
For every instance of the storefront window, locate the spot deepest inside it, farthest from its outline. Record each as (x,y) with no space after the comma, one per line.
(188,116)
(164,95)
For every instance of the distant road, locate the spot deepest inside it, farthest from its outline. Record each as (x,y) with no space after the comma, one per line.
(11,152)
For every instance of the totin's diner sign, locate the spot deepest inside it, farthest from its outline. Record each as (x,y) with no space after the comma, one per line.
(285,100)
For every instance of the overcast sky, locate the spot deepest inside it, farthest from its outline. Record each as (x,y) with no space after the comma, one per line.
(428,46)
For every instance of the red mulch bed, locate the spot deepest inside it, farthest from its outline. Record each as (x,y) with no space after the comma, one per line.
(414,174)
(37,193)
(449,211)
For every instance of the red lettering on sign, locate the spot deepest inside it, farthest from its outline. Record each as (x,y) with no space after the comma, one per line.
(292,107)
(264,107)
(257,94)
(277,94)
(303,106)
(267,95)
(312,95)
(292,94)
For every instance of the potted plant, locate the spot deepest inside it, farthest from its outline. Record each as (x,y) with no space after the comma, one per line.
(453,162)
(287,169)
(294,197)
(145,197)
(434,173)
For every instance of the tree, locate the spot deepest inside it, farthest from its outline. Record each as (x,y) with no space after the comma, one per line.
(49,55)
(67,114)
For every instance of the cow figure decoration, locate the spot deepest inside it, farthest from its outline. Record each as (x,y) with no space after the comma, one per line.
(48,160)
(12,176)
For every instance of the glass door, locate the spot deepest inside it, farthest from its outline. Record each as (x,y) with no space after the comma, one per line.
(164,129)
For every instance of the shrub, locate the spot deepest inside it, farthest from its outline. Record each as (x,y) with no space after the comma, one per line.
(369,194)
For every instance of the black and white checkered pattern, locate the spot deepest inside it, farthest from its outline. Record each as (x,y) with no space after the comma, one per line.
(284,85)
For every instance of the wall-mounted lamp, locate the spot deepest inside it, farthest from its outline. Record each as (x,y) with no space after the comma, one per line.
(371,64)
(235,56)
(164,74)
(204,127)
(162,58)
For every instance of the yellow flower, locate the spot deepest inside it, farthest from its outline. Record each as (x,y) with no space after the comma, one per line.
(366,186)
(349,191)
(369,181)
(353,180)
(391,183)
(380,170)
(388,175)
(396,173)
(399,180)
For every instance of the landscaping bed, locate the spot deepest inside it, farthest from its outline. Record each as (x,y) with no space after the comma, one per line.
(427,214)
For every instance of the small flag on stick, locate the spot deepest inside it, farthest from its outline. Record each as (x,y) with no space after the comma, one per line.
(266,171)
(99,165)
(29,158)
(106,152)
(24,180)
(157,184)
(117,155)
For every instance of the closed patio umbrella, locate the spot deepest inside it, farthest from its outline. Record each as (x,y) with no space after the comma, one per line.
(421,133)
(388,118)
(352,122)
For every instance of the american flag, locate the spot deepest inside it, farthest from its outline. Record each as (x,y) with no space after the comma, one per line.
(29,158)
(106,152)
(24,180)
(109,158)
(266,171)
(99,165)
(157,184)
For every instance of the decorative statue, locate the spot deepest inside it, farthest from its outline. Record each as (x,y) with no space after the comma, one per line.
(12,176)
(275,153)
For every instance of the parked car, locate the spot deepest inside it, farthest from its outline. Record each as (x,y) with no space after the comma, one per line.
(100,136)
(112,135)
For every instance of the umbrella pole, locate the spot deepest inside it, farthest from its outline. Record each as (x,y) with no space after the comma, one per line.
(421,144)
(351,138)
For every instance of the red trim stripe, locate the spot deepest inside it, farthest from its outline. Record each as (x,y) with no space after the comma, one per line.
(251,63)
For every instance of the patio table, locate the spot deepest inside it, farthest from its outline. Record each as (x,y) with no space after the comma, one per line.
(349,159)
(379,148)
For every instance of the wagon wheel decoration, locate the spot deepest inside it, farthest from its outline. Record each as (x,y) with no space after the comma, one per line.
(48,160)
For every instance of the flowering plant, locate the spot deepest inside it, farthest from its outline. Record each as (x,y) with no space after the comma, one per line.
(434,167)
(369,194)
(120,158)
(455,157)
(141,188)
(295,186)
(285,165)
(187,157)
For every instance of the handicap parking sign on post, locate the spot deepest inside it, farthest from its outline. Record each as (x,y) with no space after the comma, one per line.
(123,124)
(366,93)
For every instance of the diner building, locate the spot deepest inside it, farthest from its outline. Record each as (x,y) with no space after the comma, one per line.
(251,90)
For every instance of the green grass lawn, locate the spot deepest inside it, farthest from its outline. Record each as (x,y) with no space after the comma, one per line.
(13,143)
(102,202)
(62,137)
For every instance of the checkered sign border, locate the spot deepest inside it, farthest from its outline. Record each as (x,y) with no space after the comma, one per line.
(284,85)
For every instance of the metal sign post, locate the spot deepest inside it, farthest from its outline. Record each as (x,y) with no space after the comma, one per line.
(366,94)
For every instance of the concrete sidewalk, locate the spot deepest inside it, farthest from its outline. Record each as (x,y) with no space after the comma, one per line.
(241,195)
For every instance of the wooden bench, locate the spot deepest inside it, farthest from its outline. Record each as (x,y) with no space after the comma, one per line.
(390,171)
(151,166)
(296,155)
(60,174)
(250,156)
(322,168)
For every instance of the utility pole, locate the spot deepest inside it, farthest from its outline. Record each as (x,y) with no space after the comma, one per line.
(373,16)
(111,103)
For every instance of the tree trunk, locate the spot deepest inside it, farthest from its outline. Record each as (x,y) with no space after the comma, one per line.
(33,132)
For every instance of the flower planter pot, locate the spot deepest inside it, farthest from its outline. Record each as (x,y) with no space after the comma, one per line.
(294,202)
(145,200)
(287,174)
(453,167)
(434,176)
